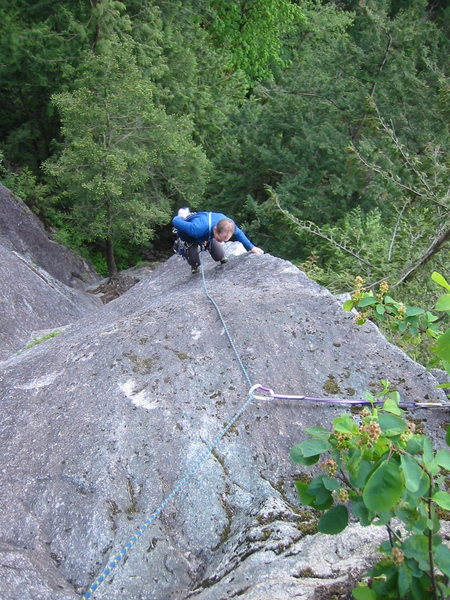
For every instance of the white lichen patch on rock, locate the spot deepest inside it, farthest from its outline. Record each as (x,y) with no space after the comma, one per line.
(139,397)
(40,382)
(196,334)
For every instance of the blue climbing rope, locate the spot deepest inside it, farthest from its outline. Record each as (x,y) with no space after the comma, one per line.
(115,561)
(230,339)
(268,395)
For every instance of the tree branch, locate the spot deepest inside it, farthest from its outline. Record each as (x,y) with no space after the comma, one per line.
(437,245)
(374,85)
(391,133)
(315,230)
(387,175)
(396,228)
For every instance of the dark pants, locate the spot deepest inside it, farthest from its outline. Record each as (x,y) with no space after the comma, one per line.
(215,248)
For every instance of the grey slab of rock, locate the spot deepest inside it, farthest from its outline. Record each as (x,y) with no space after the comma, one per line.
(100,423)
(31,300)
(22,231)
(22,575)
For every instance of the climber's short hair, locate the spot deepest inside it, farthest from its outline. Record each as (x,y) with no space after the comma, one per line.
(225,226)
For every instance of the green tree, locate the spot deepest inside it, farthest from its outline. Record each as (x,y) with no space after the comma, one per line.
(292,133)
(39,43)
(253,32)
(124,161)
(372,79)
(194,81)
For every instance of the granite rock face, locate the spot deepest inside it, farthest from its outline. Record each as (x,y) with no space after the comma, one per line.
(23,232)
(41,282)
(102,422)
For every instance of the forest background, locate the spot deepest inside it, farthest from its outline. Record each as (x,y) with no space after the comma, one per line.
(321,127)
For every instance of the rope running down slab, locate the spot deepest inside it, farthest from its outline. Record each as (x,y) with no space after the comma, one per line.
(115,561)
(269,394)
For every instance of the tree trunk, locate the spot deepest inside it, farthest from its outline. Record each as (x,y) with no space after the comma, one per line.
(110,260)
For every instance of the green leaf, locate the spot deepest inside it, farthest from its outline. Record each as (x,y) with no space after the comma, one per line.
(389,300)
(447,436)
(344,424)
(423,489)
(298,458)
(380,309)
(403,326)
(384,487)
(384,517)
(404,579)
(314,447)
(348,305)
(391,425)
(443,459)
(363,592)
(412,311)
(318,432)
(442,559)
(440,280)
(330,483)
(414,445)
(431,318)
(360,510)
(443,303)
(369,397)
(359,475)
(391,405)
(412,472)
(322,496)
(416,547)
(334,520)
(302,491)
(442,499)
(367,301)
(428,453)
(442,347)
(406,512)
(432,333)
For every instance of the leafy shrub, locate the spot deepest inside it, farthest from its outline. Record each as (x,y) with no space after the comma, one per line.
(405,319)
(378,468)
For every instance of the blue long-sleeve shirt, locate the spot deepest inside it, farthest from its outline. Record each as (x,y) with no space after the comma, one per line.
(196,229)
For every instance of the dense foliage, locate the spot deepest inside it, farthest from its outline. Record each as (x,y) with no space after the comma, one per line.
(321,127)
(377,467)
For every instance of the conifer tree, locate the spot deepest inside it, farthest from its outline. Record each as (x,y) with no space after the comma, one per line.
(124,160)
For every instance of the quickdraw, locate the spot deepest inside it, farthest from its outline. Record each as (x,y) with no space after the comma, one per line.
(269,394)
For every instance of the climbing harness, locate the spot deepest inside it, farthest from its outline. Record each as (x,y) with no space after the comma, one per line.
(267,394)
(180,247)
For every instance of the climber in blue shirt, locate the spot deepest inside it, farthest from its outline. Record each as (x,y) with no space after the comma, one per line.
(209,229)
